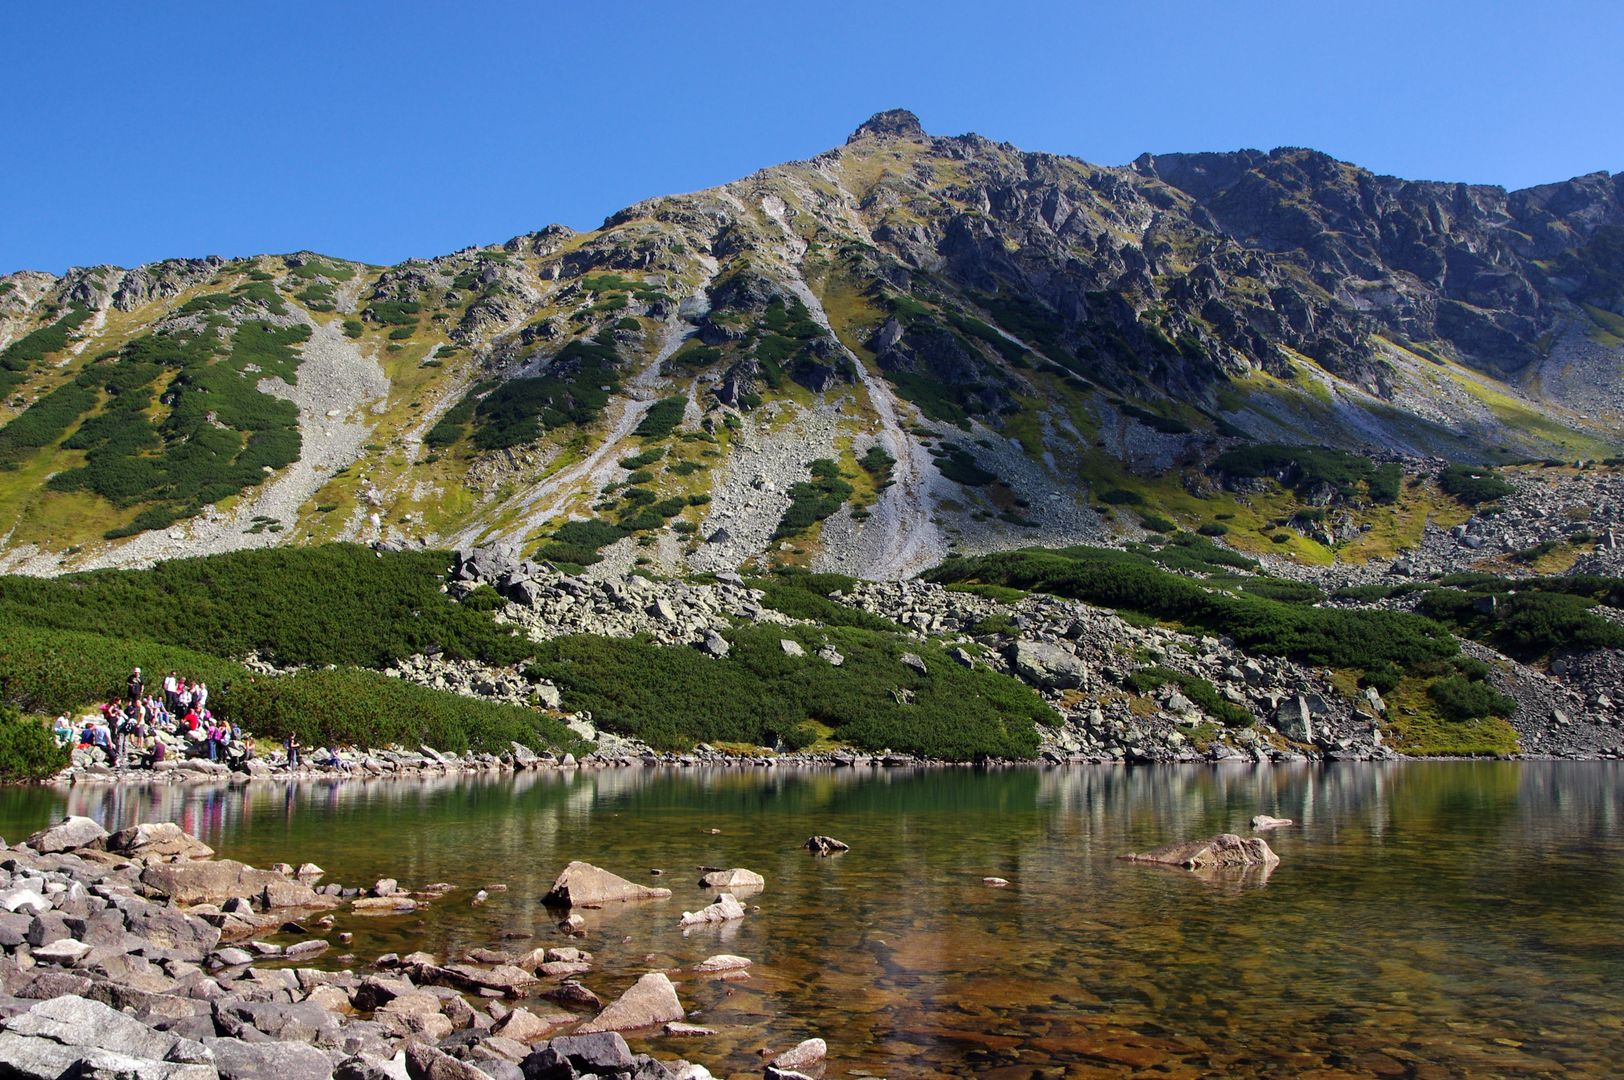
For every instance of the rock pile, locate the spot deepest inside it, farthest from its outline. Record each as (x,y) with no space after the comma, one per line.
(118,958)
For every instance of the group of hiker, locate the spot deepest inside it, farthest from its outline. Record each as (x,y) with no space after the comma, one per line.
(132,725)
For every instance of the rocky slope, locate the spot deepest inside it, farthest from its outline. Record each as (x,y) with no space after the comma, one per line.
(980,341)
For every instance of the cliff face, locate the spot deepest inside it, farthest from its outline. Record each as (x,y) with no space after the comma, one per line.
(1012,331)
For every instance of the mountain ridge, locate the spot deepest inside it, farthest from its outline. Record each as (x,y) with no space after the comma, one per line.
(1006,327)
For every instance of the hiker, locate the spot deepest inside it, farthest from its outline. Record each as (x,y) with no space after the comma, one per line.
(171,688)
(62,730)
(293,751)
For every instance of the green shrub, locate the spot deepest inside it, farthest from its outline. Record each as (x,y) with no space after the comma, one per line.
(1304,468)
(643,459)
(1213,528)
(810,501)
(1527,625)
(401,333)
(1201,692)
(1129,581)
(333,604)
(1157,523)
(354,328)
(761,695)
(662,418)
(957,465)
(28,750)
(1460,698)
(574,389)
(1473,485)
(1121,497)
(801,595)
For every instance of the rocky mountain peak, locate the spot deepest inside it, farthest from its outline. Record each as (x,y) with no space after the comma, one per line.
(896,123)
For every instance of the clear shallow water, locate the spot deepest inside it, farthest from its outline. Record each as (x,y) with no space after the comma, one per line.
(1426,920)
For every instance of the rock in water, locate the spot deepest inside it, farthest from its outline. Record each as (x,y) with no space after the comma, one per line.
(69,834)
(825,845)
(1213,853)
(1264,821)
(736,880)
(584,885)
(650,1001)
(725,909)
(803,1056)
(722,962)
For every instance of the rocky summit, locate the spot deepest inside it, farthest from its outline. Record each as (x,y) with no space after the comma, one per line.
(903,347)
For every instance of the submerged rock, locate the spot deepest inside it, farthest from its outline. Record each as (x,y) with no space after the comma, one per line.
(825,845)
(1213,853)
(736,880)
(1264,821)
(725,909)
(583,885)
(648,1002)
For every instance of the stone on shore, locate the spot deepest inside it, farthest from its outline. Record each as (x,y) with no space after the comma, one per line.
(736,880)
(725,909)
(1214,853)
(648,1002)
(524,1026)
(78,1024)
(424,1062)
(70,834)
(601,1052)
(583,885)
(239,1060)
(158,841)
(803,1056)
(571,992)
(1264,821)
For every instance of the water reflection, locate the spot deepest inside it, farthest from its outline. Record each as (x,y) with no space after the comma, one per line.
(1438,919)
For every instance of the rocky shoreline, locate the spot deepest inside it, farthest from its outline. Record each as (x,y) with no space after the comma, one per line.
(138,955)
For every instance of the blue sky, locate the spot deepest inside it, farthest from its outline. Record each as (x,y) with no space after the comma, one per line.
(138,132)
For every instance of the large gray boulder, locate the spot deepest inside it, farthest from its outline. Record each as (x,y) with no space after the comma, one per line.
(239,1060)
(648,1002)
(1220,852)
(737,880)
(69,834)
(72,1035)
(1047,665)
(583,885)
(158,841)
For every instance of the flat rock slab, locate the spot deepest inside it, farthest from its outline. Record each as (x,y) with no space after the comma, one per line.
(158,841)
(1263,822)
(648,1002)
(1214,853)
(802,1056)
(725,909)
(81,1024)
(722,962)
(735,880)
(69,834)
(583,885)
(239,1060)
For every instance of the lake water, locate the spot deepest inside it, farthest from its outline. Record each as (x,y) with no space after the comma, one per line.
(1426,919)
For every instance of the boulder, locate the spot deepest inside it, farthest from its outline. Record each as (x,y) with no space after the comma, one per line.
(791,648)
(158,841)
(525,1026)
(714,644)
(726,908)
(603,1052)
(424,1062)
(78,1023)
(583,885)
(210,882)
(1214,853)
(825,845)
(803,1056)
(735,880)
(648,1002)
(1295,719)
(915,661)
(1048,666)
(721,962)
(70,834)
(571,992)
(1264,821)
(46,1059)
(64,951)
(239,1060)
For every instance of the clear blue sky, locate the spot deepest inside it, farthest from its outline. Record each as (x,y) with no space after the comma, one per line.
(136,132)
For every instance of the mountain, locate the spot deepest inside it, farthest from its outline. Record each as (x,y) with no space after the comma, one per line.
(904,347)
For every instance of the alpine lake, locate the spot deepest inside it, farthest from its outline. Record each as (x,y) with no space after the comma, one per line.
(1426,919)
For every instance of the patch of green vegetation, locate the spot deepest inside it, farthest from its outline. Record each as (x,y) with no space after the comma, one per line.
(878,464)
(934,398)
(28,751)
(643,459)
(1473,485)
(1130,581)
(401,333)
(1121,497)
(333,604)
(578,542)
(317,268)
(32,348)
(1201,692)
(50,670)
(662,418)
(394,312)
(574,389)
(1528,624)
(354,328)
(957,465)
(760,695)
(802,595)
(1306,468)
(810,501)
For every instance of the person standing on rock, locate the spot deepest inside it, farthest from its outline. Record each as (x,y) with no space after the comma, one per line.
(171,688)
(134,687)
(293,751)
